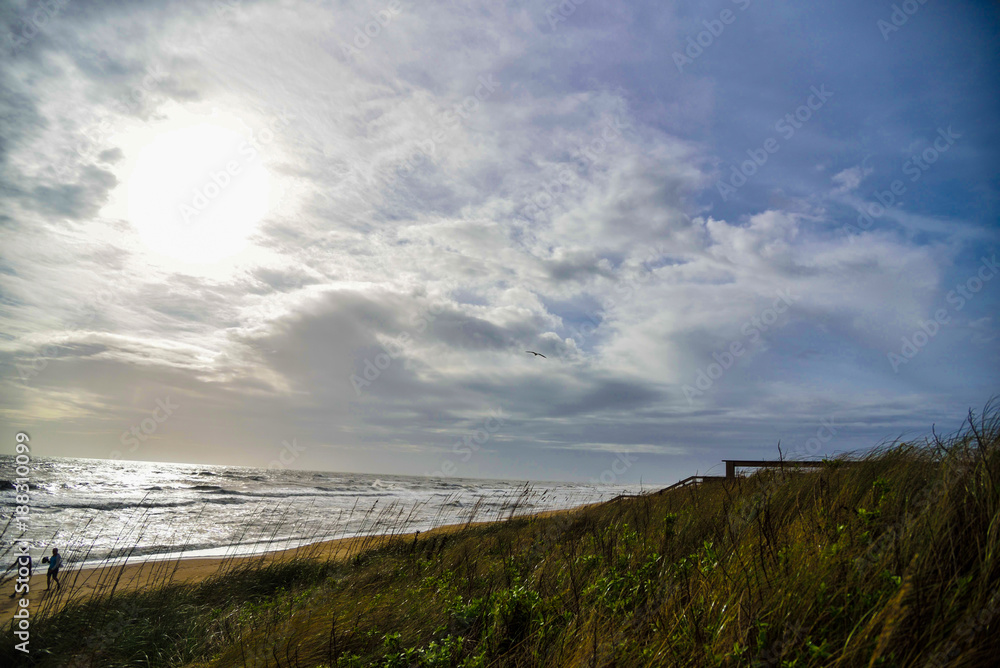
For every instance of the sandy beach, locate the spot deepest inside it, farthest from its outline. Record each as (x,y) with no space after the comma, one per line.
(81,583)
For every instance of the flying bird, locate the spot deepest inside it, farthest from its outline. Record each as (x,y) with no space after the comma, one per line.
(535,354)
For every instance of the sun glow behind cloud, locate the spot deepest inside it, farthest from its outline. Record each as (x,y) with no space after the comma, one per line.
(572,210)
(194,187)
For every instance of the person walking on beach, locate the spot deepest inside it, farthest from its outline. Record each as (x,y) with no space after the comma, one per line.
(55,561)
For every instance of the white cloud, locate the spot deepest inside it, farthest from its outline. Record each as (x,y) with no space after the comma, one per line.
(454,189)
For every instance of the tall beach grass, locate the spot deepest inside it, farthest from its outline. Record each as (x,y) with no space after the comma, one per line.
(891,561)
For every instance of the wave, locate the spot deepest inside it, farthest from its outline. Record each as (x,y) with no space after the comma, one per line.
(120,505)
(224,500)
(209,507)
(145,550)
(321,492)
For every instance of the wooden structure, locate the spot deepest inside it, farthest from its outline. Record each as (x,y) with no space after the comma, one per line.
(691,480)
(733,464)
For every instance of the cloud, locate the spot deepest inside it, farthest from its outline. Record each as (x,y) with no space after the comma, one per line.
(456,189)
(849,179)
(79,200)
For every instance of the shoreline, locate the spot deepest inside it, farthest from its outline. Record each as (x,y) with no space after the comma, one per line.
(80,582)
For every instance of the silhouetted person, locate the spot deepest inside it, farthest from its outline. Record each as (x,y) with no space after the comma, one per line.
(55,561)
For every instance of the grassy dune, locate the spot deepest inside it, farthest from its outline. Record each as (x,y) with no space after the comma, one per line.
(892,561)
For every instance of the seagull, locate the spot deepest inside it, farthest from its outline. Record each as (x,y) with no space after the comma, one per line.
(535,354)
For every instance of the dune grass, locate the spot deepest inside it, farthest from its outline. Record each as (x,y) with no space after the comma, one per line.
(891,561)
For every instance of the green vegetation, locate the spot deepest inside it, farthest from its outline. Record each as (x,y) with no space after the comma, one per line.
(892,561)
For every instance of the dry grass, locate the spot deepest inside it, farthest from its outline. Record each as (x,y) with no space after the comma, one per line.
(890,562)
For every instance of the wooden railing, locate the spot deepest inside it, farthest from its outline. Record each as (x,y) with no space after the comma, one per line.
(690,480)
(731,466)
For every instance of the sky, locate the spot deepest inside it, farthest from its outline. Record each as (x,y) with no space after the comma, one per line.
(322,235)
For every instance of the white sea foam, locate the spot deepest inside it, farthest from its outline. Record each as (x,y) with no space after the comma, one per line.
(94,510)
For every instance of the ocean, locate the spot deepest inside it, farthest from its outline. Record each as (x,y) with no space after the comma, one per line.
(100,510)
